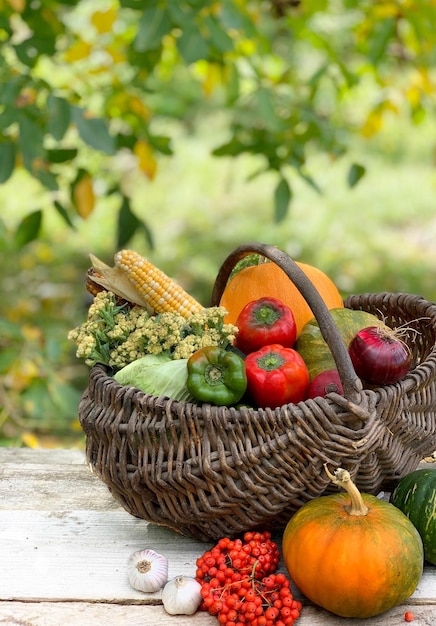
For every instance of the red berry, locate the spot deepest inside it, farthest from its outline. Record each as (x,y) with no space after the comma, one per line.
(271,613)
(408,616)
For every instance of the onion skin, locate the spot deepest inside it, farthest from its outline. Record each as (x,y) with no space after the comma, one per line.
(379,357)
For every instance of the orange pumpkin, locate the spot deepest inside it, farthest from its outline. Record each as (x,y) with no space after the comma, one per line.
(268,279)
(351,553)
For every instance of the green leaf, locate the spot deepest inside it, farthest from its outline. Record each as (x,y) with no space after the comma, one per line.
(148,234)
(233,86)
(153,25)
(265,107)
(309,180)
(11,330)
(63,213)
(236,18)
(10,90)
(179,13)
(7,160)
(282,199)
(94,131)
(219,38)
(192,45)
(8,116)
(384,31)
(132,4)
(28,229)
(59,116)
(129,224)
(7,357)
(232,148)
(355,173)
(46,178)
(61,156)
(161,143)
(30,141)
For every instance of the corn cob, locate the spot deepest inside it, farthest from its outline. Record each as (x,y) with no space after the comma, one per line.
(115,280)
(156,289)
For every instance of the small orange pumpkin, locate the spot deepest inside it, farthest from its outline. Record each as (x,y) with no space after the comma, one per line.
(351,553)
(268,279)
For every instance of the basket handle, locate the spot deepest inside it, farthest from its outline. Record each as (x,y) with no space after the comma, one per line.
(351,383)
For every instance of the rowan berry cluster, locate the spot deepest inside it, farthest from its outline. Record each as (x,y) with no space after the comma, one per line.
(240,586)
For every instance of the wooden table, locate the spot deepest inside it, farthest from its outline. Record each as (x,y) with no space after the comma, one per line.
(64,544)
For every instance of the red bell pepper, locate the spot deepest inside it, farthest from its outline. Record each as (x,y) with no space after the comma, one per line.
(276,376)
(263,322)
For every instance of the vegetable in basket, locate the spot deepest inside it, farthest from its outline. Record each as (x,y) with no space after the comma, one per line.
(137,280)
(325,382)
(276,376)
(314,349)
(268,279)
(379,355)
(117,334)
(217,376)
(158,375)
(263,322)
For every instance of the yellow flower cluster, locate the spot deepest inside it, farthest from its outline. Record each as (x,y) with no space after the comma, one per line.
(116,335)
(181,337)
(108,327)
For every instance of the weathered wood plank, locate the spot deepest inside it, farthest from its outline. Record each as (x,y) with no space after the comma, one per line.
(82,555)
(47,487)
(56,456)
(64,544)
(82,613)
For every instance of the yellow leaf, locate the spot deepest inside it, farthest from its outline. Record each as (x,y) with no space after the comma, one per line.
(214,77)
(210,75)
(246,47)
(31,333)
(390,105)
(83,196)
(146,161)
(17,5)
(22,374)
(138,108)
(104,20)
(78,51)
(381,11)
(115,54)
(373,123)
(413,95)
(422,80)
(30,440)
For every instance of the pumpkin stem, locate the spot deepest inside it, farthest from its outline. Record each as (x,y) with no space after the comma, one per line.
(342,478)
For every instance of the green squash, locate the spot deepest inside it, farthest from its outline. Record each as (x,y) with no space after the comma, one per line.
(415,496)
(314,350)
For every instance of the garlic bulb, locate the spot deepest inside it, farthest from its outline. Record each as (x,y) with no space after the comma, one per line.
(147,570)
(181,596)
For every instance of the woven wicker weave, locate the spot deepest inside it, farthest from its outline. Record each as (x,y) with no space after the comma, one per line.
(208,472)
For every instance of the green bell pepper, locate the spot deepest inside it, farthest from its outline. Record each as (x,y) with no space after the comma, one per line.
(216,376)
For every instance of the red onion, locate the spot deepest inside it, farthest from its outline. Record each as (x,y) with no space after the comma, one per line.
(379,356)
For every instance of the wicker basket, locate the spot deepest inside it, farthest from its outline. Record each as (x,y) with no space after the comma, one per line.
(207,471)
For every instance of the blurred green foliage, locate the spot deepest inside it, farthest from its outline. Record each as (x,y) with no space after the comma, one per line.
(86,86)
(184,128)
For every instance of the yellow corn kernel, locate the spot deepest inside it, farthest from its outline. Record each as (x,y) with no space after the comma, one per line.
(160,292)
